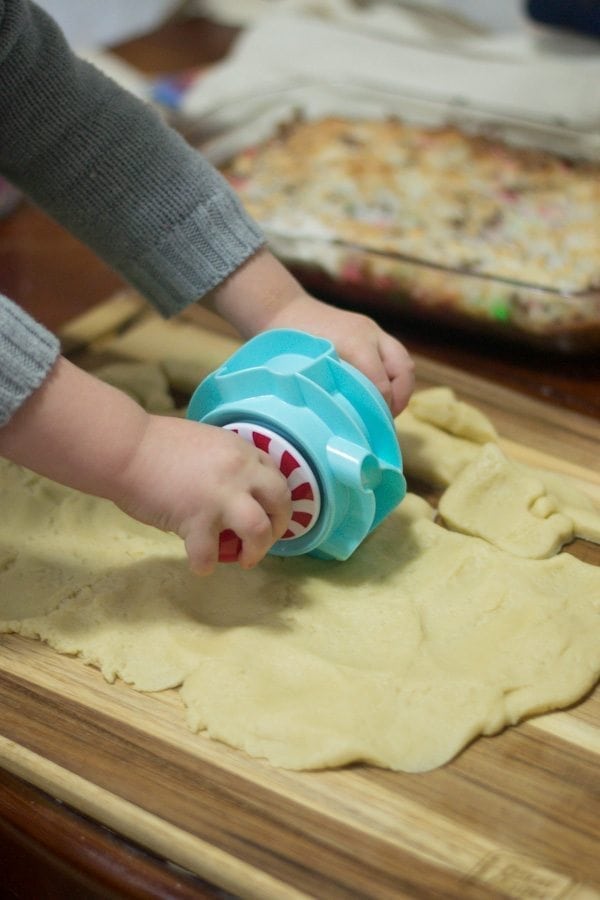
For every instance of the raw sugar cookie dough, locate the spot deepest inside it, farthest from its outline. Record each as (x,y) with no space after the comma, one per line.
(501,502)
(441,436)
(425,640)
(400,656)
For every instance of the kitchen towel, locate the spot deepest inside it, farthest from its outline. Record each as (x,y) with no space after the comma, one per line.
(388,49)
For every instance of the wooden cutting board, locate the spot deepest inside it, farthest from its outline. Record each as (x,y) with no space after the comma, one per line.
(516,815)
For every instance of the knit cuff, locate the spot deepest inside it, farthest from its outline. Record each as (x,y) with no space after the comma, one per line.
(196,255)
(28,352)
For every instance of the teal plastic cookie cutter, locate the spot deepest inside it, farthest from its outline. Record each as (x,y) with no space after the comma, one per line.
(326,426)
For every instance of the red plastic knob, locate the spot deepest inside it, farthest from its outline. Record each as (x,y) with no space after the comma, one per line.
(230,546)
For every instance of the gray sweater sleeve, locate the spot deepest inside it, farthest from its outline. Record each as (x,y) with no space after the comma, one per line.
(105,166)
(27,353)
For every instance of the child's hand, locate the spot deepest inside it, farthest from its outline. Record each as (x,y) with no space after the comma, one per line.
(199,480)
(196,480)
(359,340)
(262,295)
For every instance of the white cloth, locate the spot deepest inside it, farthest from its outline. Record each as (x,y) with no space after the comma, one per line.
(399,50)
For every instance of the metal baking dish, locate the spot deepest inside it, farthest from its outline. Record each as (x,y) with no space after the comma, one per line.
(372,278)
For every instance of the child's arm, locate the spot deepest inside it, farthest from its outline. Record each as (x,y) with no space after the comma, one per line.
(262,295)
(110,170)
(195,480)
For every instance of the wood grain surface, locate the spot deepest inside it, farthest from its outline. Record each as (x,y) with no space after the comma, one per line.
(516,815)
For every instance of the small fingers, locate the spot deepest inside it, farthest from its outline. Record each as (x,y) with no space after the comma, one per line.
(400,372)
(255,529)
(262,518)
(248,521)
(257,515)
(274,496)
(386,362)
(202,548)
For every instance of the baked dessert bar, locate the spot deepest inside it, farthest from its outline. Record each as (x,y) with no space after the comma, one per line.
(432,220)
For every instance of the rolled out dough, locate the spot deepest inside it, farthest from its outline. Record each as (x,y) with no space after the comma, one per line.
(440,436)
(498,500)
(400,656)
(440,407)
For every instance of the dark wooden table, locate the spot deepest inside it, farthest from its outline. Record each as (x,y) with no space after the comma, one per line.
(46,849)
